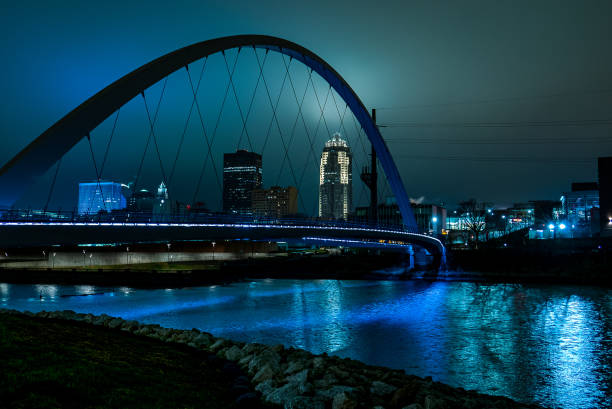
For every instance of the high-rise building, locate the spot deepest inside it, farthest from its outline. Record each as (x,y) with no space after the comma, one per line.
(336,179)
(241,175)
(275,202)
(100,196)
(604,169)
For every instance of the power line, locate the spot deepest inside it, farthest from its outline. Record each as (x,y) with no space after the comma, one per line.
(493,141)
(499,100)
(560,123)
(512,159)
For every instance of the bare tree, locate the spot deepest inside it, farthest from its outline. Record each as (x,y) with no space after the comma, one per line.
(474,214)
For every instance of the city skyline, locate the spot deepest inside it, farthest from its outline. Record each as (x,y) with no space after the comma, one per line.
(489,112)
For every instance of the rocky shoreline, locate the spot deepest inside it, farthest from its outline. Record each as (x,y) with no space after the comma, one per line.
(295,378)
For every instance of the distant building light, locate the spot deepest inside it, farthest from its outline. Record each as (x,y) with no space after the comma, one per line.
(434,219)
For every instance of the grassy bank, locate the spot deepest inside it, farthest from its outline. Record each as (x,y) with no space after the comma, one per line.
(60,364)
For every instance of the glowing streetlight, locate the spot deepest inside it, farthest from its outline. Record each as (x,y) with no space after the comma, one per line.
(213,247)
(551,226)
(562,226)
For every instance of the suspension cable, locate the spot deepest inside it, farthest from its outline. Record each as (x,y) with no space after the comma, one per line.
(148,138)
(275,106)
(109,142)
(180,145)
(52,184)
(99,187)
(252,98)
(212,139)
(161,165)
(285,148)
(246,131)
(297,117)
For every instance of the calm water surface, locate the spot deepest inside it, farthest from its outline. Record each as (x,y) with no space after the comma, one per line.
(546,344)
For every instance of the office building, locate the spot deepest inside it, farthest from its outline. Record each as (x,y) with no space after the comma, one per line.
(100,196)
(336,179)
(141,201)
(604,170)
(242,174)
(578,203)
(275,202)
(429,218)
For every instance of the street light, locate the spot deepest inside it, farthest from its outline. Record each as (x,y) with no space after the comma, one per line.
(213,246)
(168,244)
(53,260)
(127,255)
(562,226)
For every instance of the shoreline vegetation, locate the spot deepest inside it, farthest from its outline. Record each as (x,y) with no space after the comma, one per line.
(483,265)
(66,359)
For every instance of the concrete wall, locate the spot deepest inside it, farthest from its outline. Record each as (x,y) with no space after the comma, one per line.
(93,258)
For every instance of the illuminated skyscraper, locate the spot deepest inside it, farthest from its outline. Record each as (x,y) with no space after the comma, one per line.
(336,179)
(241,175)
(100,196)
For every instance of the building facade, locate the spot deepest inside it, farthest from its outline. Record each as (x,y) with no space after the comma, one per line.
(100,196)
(578,203)
(242,174)
(275,202)
(604,170)
(142,201)
(336,179)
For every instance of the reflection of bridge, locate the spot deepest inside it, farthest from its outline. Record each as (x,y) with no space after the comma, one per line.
(38,157)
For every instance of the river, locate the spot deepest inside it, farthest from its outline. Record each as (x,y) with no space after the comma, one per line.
(550,345)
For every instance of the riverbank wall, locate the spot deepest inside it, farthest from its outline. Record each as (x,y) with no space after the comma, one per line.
(541,262)
(295,378)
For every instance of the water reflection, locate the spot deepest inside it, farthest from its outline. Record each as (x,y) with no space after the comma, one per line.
(550,345)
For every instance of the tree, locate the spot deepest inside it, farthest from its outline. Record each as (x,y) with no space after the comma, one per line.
(474,214)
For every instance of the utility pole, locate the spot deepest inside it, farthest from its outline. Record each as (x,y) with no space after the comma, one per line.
(370,178)
(374,182)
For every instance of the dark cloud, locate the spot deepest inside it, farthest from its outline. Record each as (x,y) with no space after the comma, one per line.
(431,63)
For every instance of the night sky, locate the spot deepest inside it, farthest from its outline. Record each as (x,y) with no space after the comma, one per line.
(493,100)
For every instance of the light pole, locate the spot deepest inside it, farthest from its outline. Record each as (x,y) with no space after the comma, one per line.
(168,244)
(213,247)
(83,258)
(53,260)
(127,255)
(434,220)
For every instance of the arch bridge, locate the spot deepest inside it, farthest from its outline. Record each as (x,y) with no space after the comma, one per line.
(41,154)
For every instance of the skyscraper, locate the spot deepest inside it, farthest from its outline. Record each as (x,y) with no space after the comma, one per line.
(241,175)
(336,179)
(97,196)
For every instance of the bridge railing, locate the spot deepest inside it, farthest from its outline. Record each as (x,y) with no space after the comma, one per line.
(187,217)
